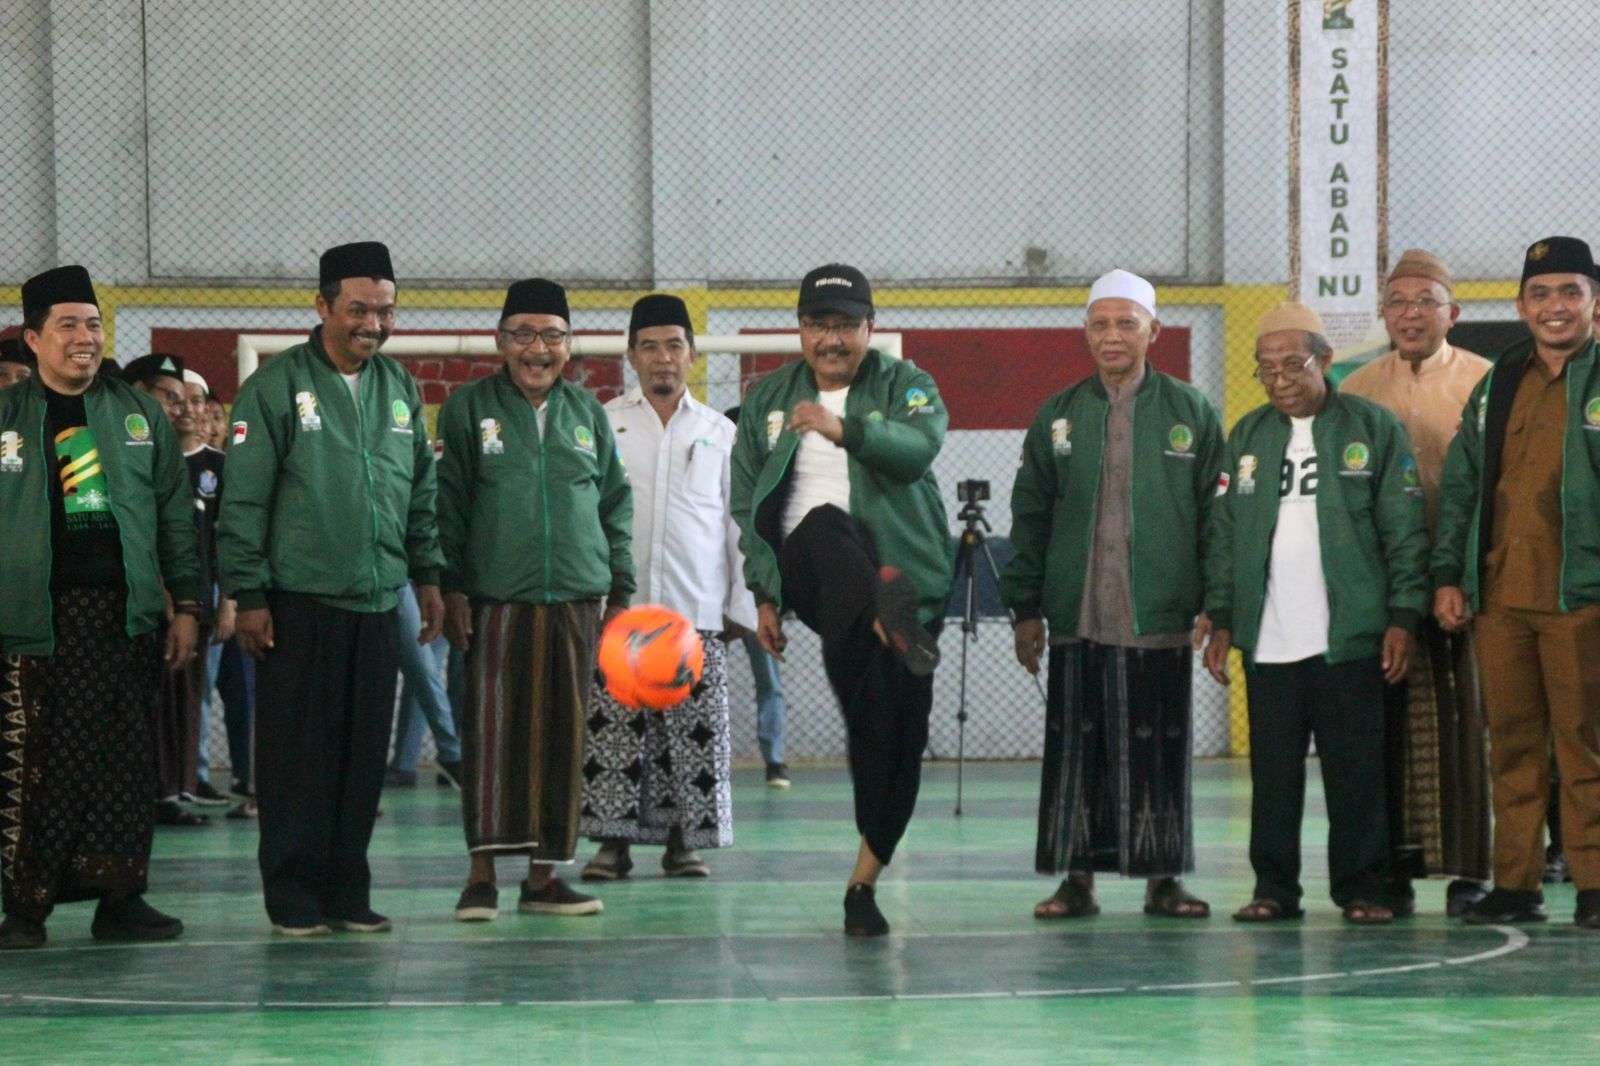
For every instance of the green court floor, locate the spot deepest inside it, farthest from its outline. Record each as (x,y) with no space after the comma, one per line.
(751,966)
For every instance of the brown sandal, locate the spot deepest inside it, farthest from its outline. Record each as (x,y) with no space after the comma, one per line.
(1171,900)
(1263,909)
(1362,912)
(1071,900)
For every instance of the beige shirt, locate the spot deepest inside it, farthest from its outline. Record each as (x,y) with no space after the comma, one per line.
(1428,402)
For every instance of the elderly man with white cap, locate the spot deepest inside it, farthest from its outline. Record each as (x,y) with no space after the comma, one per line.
(1117,478)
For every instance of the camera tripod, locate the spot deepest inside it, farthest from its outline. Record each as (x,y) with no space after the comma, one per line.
(973,545)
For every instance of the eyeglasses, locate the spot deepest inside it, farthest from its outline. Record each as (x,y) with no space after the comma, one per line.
(553,338)
(1399,305)
(841,326)
(1290,368)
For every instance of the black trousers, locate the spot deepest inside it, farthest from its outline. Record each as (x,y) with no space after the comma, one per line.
(324,711)
(829,568)
(1342,706)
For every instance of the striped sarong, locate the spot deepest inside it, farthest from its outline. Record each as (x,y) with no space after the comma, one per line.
(529,675)
(1438,762)
(1115,788)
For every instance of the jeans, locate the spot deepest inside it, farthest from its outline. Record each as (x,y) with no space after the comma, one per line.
(769,700)
(232,674)
(426,697)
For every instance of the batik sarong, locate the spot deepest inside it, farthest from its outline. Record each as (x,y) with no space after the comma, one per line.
(1438,763)
(648,771)
(1115,794)
(77,761)
(530,672)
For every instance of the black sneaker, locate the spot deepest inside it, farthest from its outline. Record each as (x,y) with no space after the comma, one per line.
(479,902)
(170,812)
(393,778)
(20,934)
(1462,894)
(861,914)
(449,775)
(368,921)
(897,614)
(556,897)
(1587,914)
(1504,906)
(777,775)
(610,863)
(684,862)
(132,919)
(207,796)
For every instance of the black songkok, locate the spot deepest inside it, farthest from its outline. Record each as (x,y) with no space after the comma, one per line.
(659,309)
(363,259)
(63,285)
(1558,255)
(535,296)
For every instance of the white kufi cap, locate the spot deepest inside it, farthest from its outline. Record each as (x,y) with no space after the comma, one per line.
(192,378)
(1121,285)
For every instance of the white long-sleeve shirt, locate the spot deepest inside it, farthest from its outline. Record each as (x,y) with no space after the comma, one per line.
(685,543)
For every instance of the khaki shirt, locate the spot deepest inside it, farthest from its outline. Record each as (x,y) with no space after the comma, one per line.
(1523,568)
(1428,401)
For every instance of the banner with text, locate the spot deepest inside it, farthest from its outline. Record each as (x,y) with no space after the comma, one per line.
(1338,228)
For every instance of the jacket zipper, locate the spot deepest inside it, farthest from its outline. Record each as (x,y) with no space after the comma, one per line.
(1561,582)
(366,464)
(544,487)
(47,445)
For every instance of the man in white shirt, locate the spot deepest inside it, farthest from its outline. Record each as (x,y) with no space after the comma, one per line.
(663,777)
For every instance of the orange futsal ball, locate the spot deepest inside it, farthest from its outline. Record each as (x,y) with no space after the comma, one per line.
(650,657)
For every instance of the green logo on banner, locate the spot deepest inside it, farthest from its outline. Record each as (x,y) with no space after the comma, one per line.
(1336,15)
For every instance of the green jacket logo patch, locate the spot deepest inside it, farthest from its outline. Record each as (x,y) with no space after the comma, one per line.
(1591,413)
(1180,438)
(138,429)
(584,438)
(402,414)
(1356,456)
(10,451)
(1061,436)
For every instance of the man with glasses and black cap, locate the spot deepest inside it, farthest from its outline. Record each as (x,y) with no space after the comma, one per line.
(842,524)
(98,524)
(535,518)
(327,508)
(652,777)
(1517,557)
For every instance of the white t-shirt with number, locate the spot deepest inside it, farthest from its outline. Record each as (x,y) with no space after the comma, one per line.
(1294,620)
(821,469)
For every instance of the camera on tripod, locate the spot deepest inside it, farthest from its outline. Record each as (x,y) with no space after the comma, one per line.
(972,490)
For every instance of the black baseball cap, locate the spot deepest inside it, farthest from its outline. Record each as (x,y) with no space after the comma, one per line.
(836,287)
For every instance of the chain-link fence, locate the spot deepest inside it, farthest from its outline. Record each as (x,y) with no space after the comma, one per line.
(980,161)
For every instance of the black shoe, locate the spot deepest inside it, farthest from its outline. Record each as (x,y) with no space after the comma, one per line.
(479,902)
(1462,894)
(1400,897)
(19,934)
(684,862)
(897,614)
(861,914)
(1587,916)
(777,775)
(368,921)
(449,775)
(1505,906)
(207,796)
(610,863)
(393,778)
(556,897)
(170,812)
(132,919)
(1556,870)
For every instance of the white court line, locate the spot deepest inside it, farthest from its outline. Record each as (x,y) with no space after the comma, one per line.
(1516,940)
